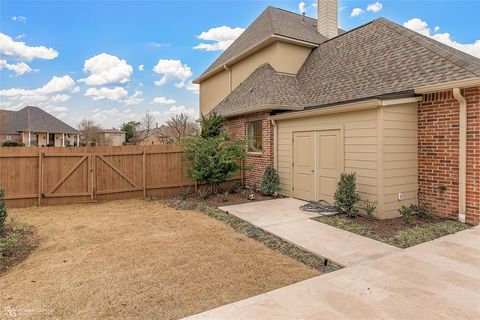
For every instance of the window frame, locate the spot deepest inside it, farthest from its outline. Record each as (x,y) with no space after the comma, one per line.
(255,137)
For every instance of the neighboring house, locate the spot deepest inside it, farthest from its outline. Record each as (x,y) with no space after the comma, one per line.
(398,108)
(112,137)
(35,127)
(156,135)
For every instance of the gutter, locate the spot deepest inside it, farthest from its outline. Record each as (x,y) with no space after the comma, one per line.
(462,155)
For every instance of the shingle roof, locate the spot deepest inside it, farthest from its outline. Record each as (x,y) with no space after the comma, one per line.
(263,88)
(34,119)
(379,58)
(272,21)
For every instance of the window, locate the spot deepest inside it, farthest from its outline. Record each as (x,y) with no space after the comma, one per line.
(254,136)
(9,138)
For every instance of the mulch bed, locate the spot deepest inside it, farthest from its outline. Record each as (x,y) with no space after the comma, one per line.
(395,232)
(220,201)
(16,243)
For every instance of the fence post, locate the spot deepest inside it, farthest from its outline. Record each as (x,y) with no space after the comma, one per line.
(144,173)
(92,176)
(40,177)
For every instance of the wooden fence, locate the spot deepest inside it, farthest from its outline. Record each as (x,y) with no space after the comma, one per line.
(52,176)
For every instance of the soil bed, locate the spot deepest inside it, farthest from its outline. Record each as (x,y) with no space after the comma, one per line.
(395,231)
(220,200)
(16,243)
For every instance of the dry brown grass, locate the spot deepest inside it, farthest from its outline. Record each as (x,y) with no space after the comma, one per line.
(134,259)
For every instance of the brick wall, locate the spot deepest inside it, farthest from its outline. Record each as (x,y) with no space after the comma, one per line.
(438,152)
(256,162)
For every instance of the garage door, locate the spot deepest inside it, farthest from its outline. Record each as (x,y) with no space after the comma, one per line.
(317,164)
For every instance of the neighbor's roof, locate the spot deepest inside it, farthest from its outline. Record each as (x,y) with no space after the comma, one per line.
(272,21)
(263,88)
(33,119)
(379,58)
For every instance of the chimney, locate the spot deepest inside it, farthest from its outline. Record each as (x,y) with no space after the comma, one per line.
(156,124)
(327,23)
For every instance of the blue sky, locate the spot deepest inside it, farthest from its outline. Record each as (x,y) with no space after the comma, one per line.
(82,59)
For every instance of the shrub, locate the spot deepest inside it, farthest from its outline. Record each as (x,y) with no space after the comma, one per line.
(214,158)
(236,186)
(346,195)
(369,207)
(212,126)
(3,209)
(270,182)
(13,144)
(224,197)
(414,210)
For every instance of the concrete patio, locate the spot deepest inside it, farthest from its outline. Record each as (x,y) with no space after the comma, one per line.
(439,279)
(283,218)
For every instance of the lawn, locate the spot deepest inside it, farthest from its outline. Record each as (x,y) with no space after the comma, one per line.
(395,231)
(135,259)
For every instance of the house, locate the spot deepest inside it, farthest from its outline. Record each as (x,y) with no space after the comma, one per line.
(398,108)
(153,136)
(112,137)
(34,127)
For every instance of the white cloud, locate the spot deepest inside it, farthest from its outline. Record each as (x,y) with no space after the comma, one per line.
(375,7)
(115,94)
(112,117)
(301,7)
(20,36)
(141,67)
(175,110)
(60,98)
(19,50)
(163,100)
(422,27)
(45,97)
(221,37)
(19,18)
(357,12)
(106,69)
(19,68)
(437,28)
(341,8)
(172,69)
(134,98)
(195,88)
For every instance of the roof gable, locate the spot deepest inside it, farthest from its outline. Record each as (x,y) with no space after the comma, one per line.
(272,21)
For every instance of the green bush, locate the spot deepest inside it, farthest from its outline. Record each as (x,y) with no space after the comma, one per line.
(346,195)
(13,144)
(3,209)
(212,125)
(270,182)
(214,158)
(421,211)
(236,187)
(369,207)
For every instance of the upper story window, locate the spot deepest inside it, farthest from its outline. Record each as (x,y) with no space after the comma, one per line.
(254,136)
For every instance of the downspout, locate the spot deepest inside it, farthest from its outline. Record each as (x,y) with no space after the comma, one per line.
(275,142)
(462,155)
(229,77)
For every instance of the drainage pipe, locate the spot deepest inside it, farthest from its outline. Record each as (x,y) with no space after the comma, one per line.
(275,144)
(462,155)
(229,77)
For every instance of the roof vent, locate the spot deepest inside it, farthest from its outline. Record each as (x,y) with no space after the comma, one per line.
(327,23)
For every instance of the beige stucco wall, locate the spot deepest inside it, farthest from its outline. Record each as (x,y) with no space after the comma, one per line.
(380,145)
(113,139)
(282,56)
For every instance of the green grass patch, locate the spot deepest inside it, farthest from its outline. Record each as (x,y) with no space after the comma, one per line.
(407,237)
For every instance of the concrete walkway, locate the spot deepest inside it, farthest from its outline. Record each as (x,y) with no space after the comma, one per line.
(439,279)
(435,280)
(283,218)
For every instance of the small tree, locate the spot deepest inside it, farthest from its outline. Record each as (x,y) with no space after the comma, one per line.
(214,158)
(270,182)
(148,121)
(130,128)
(90,132)
(346,195)
(180,126)
(212,126)
(3,209)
